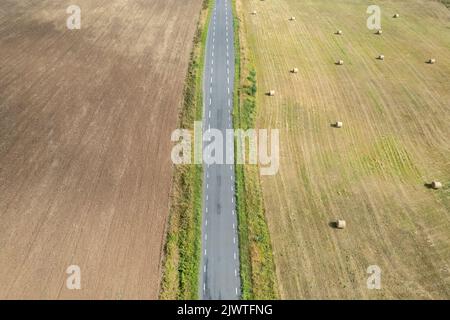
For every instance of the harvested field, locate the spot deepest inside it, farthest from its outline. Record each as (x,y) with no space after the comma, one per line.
(85,123)
(371,172)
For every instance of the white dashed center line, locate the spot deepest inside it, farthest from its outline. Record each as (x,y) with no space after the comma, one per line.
(220,63)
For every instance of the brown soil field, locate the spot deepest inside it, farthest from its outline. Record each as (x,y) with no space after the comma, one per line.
(85,123)
(371,172)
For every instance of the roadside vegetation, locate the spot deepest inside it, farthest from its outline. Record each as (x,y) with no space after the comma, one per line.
(258,275)
(183,243)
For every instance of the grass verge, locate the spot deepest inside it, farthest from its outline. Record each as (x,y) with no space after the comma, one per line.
(183,241)
(258,276)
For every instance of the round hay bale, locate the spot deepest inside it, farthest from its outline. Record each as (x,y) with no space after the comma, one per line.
(338,124)
(379,32)
(396,15)
(271,93)
(381,57)
(254,13)
(294,70)
(341,224)
(432,61)
(340,62)
(436,185)
(339,32)
(292,18)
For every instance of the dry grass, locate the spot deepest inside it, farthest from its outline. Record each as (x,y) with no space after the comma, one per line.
(371,172)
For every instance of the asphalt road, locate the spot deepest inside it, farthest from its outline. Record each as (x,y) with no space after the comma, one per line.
(219,277)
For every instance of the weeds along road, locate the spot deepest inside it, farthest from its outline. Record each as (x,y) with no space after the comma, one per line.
(219,277)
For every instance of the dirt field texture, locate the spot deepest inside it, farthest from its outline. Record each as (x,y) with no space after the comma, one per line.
(372,172)
(85,123)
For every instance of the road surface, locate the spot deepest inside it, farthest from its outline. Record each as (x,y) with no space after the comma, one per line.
(219,277)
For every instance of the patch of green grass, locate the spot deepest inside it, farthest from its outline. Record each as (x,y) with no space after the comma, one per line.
(258,277)
(183,242)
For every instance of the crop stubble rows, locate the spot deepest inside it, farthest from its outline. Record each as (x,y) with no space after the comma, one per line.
(370,173)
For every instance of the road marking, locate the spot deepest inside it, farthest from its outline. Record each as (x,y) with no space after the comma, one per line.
(232,212)
(218,14)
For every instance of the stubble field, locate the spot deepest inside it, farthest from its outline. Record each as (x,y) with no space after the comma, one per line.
(372,172)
